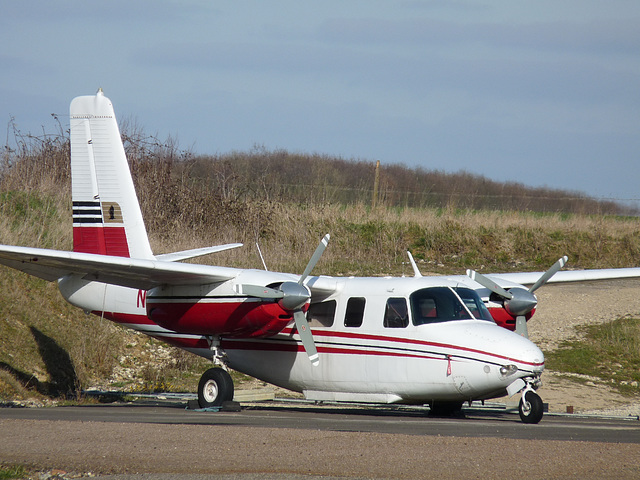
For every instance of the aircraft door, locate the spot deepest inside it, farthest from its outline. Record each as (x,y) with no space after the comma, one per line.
(391,369)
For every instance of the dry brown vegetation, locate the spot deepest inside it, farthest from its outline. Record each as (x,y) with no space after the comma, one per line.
(286,202)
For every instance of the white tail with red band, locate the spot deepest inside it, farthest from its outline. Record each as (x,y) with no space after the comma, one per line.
(106,215)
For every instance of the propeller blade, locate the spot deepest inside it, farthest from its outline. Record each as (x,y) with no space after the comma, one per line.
(314,258)
(549,273)
(488,283)
(307,338)
(521,326)
(258,291)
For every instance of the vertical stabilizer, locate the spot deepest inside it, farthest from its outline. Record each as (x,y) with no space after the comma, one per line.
(106,213)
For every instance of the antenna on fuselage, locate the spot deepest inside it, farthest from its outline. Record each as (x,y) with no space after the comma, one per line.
(416,272)
(261,257)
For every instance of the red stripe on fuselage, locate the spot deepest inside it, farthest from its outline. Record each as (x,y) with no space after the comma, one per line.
(138,322)
(127,319)
(298,347)
(410,341)
(183,342)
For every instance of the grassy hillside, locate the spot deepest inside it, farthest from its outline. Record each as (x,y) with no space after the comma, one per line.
(318,179)
(50,349)
(609,352)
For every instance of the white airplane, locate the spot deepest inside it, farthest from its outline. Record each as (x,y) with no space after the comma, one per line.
(418,340)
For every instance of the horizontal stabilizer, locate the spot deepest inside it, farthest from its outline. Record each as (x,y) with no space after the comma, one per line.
(196,252)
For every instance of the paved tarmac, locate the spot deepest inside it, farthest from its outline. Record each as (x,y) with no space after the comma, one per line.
(476,422)
(162,440)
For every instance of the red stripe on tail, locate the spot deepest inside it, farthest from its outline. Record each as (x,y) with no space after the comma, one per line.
(102,240)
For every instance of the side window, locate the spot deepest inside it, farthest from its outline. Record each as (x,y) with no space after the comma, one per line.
(396,314)
(355,312)
(321,314)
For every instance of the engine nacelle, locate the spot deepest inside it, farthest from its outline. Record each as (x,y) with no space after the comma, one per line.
(505,311)
(184,310)
(503,318)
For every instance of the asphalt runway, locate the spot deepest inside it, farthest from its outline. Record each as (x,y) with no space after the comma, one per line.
(404,420)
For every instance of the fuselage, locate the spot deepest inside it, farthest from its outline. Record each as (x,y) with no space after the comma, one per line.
(379,339)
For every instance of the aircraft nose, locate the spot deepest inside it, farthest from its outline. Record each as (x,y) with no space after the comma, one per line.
(510,349)
(529,356)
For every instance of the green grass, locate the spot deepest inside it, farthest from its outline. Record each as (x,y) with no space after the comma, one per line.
(609,351)
(16,471)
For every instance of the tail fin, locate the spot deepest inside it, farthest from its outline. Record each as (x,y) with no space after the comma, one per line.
(106,214)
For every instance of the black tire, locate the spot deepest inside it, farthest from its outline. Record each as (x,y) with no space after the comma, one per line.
(215,388)
(446,409)
(532,410)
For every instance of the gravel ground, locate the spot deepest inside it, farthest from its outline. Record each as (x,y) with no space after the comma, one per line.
(562,307)
(110,448)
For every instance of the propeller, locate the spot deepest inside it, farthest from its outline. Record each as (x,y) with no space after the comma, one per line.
(519,301)
(292,296)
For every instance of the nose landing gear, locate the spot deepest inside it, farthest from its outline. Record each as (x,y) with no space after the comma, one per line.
(531,408)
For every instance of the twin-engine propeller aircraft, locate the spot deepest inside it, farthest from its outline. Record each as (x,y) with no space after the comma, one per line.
(419,340)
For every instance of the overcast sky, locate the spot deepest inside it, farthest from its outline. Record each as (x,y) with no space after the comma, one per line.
(546,93)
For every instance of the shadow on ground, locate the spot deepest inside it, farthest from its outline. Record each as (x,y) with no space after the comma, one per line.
(63,380)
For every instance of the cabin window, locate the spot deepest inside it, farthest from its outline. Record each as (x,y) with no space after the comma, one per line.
(355,312)
(321,314)
(396,314)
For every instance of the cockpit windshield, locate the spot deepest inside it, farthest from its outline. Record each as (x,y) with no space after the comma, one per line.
(443,304)
(474,303)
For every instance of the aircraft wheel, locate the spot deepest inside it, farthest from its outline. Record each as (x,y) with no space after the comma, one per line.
(215,388)
(446,409)
(531,408)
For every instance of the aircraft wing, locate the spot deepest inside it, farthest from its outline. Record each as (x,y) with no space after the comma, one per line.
(128,272)
(529,278)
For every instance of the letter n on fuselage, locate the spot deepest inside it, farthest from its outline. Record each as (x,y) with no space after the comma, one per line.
(142,298)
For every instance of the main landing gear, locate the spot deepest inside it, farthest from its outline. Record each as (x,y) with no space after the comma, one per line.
(215,386)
